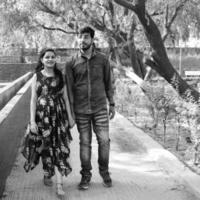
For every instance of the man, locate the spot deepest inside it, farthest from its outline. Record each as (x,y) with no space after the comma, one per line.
(89,81)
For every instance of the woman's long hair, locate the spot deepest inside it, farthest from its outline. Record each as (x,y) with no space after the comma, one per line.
(40,66)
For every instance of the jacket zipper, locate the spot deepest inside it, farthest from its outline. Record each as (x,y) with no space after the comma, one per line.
(89,86)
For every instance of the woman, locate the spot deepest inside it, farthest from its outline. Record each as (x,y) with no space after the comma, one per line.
(49,134)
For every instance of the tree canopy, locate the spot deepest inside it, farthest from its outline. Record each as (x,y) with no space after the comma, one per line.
(126,25)
(42,17)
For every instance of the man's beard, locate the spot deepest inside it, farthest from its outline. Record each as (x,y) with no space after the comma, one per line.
(85,48)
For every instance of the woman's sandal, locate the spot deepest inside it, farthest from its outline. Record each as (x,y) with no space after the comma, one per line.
(48,181)
(59,190)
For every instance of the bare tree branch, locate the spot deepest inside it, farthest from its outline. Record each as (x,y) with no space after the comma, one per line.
(99,25)
(43,7)
(56,29)
(132,50)
(126,4)
(156,13)
(169,22)
(111,7)
(46,9)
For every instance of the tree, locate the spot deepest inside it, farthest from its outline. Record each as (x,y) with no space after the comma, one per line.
(119,26)
(159,59)
(21,22)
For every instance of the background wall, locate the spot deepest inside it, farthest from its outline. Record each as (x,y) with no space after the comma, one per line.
(10,72)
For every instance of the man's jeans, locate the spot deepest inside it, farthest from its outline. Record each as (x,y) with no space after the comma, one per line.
(100,123)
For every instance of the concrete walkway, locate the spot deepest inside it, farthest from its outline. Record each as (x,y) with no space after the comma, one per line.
(141,170)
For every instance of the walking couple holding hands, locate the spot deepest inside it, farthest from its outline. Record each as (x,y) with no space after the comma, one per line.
(82,93)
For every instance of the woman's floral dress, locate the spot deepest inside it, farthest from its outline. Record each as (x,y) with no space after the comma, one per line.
(51,143)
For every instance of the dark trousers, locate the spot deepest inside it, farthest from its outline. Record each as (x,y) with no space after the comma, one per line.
(99,122)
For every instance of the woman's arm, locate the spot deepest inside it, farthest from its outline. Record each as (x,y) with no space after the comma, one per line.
(33,105)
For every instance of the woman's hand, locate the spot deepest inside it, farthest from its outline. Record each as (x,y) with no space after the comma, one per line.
(33,127)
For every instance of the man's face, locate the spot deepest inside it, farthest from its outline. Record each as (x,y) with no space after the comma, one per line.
(85,41)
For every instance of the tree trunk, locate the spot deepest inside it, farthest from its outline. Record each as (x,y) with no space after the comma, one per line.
(134,56)
(161,61)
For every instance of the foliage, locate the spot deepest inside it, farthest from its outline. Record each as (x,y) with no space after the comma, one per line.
(67,16)
(165,108)
(164,11)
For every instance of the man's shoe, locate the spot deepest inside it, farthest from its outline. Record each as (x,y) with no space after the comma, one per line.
(85,182)
(47,181)
(59,190)
(107,181)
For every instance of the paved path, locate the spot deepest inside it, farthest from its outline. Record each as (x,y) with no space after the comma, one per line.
(135,177)
(136,174)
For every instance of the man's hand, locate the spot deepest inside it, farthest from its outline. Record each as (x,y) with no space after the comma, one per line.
(111,111)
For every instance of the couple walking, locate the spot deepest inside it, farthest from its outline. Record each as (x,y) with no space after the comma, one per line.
(81,92)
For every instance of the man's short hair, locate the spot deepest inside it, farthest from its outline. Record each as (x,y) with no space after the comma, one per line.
(87,29)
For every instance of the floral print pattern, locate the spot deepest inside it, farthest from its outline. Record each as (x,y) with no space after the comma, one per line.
(51,143)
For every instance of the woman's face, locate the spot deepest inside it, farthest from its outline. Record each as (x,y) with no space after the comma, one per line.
(49,59)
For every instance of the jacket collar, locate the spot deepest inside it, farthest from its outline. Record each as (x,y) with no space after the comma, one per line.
(82,54)
(80,58)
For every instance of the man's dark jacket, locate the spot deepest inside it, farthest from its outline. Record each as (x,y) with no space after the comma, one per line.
(89,82)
